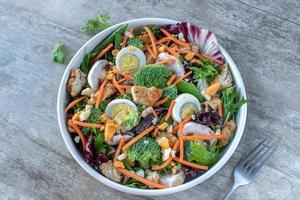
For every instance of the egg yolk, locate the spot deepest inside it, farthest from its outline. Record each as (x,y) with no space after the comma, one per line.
(120,112)
(187,110)
(129,63)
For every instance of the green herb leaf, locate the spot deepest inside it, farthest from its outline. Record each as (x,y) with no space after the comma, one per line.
(58,55)
(231,103)
(99,142)
(99,23)
(207,71)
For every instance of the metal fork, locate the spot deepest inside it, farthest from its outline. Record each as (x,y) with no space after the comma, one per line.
(247,168)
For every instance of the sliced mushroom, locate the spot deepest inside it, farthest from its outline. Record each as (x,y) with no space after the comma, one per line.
(176,67)
(109,171)
(76,82)
(172,180)
(193,128)
(97,73)
(117,137)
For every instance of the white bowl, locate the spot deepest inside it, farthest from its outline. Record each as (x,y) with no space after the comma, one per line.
(63,99)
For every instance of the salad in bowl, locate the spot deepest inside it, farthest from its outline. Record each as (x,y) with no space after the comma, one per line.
(152,106)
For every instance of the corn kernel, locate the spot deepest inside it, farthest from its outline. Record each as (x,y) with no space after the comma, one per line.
(119,164)
(162,49)
(115,52)
(163,126)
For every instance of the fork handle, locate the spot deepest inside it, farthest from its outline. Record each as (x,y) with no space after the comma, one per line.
(229,193)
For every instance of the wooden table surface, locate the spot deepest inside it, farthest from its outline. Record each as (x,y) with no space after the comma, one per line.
(263,38)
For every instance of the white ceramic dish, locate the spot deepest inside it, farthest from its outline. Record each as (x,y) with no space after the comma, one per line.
(63,99)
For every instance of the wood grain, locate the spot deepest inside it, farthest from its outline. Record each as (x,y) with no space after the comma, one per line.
(263,37)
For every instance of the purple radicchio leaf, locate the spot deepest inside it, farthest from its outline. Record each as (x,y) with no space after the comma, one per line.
(88,153)
(144,124)
(211,117)
(192,173)
(203,38)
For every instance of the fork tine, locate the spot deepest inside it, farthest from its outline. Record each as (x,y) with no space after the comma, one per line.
(253,152)
(252,159)
(263,160)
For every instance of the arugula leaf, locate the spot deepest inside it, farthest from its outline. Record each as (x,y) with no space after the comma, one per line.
(197,152)
(99,23)
(58,55)
(207,72)
(231,103)
(135,42)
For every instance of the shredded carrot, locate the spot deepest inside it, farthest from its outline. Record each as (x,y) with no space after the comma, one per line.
(154,113)
(167,162)
(103,52)
(118,151)
(163,40)
(155,132)
(140,179)
(79,132)
(203,137)
(181,143)
(165,61)
(74,102)
(150,51)
(100,93)
(138,137)
(122,73)
(85,124)
(190,164)
(177,41)
(160,102)
(183,77)
(171,79)
(126,38)
(122,80)
(171,51)
(197,61)
(125,86)
(116,84)
(168,115)
(152,39)
(220,109)
(183,122)
(209,58)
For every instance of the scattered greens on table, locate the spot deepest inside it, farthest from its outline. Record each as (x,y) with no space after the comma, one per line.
(130,120)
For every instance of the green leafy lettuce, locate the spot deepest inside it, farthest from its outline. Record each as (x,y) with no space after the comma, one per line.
(231,102)
(198,153)
(58,55)
(99,23)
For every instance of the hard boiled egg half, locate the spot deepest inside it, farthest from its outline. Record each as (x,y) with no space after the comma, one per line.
(185,105)
(130,59)
(122,111)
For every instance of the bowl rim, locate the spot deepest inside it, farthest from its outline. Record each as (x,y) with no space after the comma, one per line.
(242,115)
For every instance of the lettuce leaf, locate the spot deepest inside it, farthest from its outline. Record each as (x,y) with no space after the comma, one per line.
(197,152)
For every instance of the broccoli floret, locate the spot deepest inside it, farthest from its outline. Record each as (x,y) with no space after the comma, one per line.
(146,152)
(152,76)
(170,91)
(135,42)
